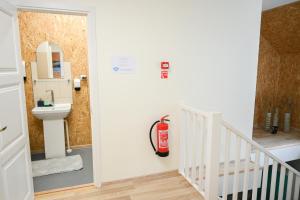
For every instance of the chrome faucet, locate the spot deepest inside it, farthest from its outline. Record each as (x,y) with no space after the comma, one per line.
(52,96)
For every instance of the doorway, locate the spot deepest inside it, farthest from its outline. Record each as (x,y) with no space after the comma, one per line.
(83,131)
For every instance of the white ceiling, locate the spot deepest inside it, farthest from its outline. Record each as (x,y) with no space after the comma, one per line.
(269,4)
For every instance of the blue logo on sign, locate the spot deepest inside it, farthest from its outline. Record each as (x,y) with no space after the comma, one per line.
(116,68)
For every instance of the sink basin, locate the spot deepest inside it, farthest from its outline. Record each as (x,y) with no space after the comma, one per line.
(58,111)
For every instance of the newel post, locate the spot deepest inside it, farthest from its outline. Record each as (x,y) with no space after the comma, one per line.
(182,142)
(213,151)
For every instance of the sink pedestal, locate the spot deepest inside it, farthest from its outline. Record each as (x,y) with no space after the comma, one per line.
(54,130)
(54,138)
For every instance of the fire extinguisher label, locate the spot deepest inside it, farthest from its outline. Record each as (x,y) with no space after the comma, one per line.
(163,139)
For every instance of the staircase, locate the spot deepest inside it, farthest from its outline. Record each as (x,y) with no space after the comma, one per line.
(222,163)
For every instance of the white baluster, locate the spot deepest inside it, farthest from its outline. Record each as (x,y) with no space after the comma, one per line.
(187,140)
(189,145)
(193,147)
(246,171)
(273,180)
(226,163)
(201,152)
(297,187)
(289,185)
(265,177)
(182,142)
(256,171)
(237,167)
(281,183)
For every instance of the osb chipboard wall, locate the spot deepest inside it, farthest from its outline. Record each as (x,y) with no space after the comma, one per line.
(267,81)
(281,27)
(289,87)
(70,33)
(279,64)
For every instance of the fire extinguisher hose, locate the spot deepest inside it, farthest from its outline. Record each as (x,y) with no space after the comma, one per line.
(150,134)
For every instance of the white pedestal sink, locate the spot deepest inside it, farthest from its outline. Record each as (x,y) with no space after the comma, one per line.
(53,123)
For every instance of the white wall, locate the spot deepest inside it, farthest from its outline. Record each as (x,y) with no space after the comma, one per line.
(213,48)
(269,4)
(148,32)
(222,66)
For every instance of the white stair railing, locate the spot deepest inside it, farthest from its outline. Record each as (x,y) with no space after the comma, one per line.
(281,182)
(221,162)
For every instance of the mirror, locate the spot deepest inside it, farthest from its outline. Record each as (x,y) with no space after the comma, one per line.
(50,62)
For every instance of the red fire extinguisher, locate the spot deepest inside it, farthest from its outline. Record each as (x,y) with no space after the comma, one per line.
(162,127)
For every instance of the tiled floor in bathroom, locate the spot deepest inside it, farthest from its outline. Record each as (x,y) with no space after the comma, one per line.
(67,179)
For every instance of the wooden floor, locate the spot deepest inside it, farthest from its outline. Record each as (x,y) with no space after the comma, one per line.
(278,140)
(165,186)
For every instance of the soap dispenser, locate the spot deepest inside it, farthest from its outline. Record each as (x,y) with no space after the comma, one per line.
(77,84)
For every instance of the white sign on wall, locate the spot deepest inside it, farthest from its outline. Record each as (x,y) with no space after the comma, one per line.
(123,65)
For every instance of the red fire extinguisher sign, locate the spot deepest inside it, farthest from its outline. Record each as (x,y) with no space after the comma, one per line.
(164,69)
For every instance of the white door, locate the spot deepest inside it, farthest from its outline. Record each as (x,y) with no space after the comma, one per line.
(15,164)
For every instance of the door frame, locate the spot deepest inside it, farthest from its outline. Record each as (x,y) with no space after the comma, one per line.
(94,88)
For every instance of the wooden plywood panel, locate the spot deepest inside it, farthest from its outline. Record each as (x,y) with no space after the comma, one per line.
(267,81)
(70,33)
(289,87)
(278,80)
(281,27)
